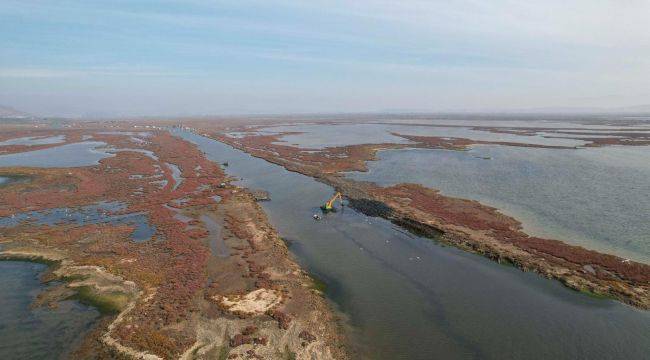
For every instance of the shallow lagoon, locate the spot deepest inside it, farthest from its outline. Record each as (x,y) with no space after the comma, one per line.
(69,155)
(326,135)
(319,135)
(410,298)
(36,333)
(100,213)
(596,197)
(44,333)
(34,140)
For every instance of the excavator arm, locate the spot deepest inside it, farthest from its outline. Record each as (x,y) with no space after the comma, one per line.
(331,202)
(329,205)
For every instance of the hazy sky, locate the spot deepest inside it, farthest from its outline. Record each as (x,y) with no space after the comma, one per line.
(213,57)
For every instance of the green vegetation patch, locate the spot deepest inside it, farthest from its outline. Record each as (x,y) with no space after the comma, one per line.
(223,352)
(106,303)
(594,295)
(288,354)
(15,179)
(317,283)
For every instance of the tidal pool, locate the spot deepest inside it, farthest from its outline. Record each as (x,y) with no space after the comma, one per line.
(407,297)
(69,155)
(598,198)
(36,333)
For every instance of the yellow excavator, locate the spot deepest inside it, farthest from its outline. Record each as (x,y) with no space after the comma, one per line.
(329,205)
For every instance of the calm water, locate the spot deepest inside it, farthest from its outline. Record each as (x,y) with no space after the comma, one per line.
(326,135)
(409,298)
(39,333)
(100,213)
(596,197)
(176,175)
(34,140)
(43,333)
(69,155)
(217,245)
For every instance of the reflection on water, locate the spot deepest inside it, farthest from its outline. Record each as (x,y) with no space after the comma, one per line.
(594,122)
(596,197)
(36,333)
(409,298)
(69,155)
(34,140)
(327,135)
(100,213)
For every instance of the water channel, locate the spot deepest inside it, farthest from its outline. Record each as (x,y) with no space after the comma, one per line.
(407,297)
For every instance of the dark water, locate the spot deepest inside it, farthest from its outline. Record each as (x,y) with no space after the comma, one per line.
(598,198)
(100,213)
(409,298)
(39,333)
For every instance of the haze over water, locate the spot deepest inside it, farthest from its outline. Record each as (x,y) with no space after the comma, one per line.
(68,68)
(598,198)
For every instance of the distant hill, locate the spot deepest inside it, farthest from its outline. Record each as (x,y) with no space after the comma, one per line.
(11,113)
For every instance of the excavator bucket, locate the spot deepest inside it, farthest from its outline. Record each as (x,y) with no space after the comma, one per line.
(327,209)
(329,205)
